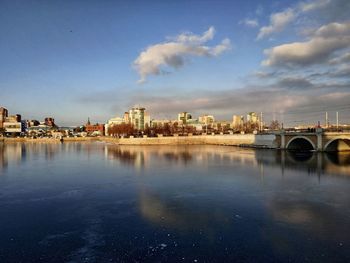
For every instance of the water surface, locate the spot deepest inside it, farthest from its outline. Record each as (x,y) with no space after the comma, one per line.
(94,202)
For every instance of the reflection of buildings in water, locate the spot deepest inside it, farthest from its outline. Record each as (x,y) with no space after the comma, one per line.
(3,157)
(130,157)
(312,162)
(180,215)
(301,215)
(205,156)
(146,156)
(15,152)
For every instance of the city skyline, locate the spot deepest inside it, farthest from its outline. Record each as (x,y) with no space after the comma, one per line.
(287,59)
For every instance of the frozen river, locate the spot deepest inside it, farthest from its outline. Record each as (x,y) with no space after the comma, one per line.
(94,202)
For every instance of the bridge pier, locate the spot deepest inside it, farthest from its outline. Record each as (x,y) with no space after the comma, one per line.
(319,134)
(283,139)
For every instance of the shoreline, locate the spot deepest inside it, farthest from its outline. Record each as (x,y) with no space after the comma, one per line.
(265,141)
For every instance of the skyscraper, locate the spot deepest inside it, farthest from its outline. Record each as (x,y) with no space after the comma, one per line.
(137,117)
(3,116)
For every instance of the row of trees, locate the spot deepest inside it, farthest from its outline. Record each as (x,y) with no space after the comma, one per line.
(127,129)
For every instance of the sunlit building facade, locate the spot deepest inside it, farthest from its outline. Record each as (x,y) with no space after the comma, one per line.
(184,117)
(139,118)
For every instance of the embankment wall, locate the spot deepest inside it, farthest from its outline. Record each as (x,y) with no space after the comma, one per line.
(247,140)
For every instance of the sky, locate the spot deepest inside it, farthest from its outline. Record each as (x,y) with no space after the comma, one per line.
(77,59)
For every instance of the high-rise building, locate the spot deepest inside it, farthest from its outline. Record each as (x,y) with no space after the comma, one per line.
(3,116)
(126,117)
(237,121)
(206,119)
(252,117)
(137,117)
(184,117)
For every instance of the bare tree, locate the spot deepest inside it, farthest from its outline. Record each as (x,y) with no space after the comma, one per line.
(274,125)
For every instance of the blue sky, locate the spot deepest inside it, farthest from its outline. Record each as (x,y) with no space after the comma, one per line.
(78,59)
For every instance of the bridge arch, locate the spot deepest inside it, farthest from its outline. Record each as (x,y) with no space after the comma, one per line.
(300,143)
(338,145)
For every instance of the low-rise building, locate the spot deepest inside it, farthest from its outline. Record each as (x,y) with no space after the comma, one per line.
(95,129)
(49,121)
(16,128)
(113,121)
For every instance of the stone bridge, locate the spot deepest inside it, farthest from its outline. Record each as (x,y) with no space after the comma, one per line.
(314,141)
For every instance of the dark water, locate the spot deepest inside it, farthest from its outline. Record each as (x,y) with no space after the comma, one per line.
(82,202)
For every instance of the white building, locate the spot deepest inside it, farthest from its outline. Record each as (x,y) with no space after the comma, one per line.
(139,118)
(13,127)
(206,119)
(183,117)
(237,121)
(252,117)
(111,122)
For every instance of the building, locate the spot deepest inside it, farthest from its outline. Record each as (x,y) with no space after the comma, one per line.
(95,129)
(252,117)
(49,121)
(32,123)
(14,127)
(137,118)
(126,117)
(184,117)
(206,119)
(237,121)
(13,118)
(3,116)
(113,121)
(147,119)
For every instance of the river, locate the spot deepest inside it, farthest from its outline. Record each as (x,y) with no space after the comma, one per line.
(98,202)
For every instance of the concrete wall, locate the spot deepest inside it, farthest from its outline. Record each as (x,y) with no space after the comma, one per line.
(249,140)
(252,140)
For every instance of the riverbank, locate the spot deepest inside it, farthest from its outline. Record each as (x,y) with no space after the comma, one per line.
(243,140)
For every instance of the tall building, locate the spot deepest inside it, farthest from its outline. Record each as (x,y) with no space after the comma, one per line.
(206,119)
(184,117)
(137,117)
(3,116)
(237,121)
(252,117)
(126,117)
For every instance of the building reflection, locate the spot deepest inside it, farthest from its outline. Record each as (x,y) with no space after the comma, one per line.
(147,157)
(184,217)
(144,157)
(13,153)
(307,217)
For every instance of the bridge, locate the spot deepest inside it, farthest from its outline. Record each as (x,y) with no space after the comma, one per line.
(319,140)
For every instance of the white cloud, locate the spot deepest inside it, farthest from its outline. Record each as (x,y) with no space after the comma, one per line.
(323,43)
(250,22)
(328,10)
(174,53)
(191,38)
(313,5)
(278,21)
